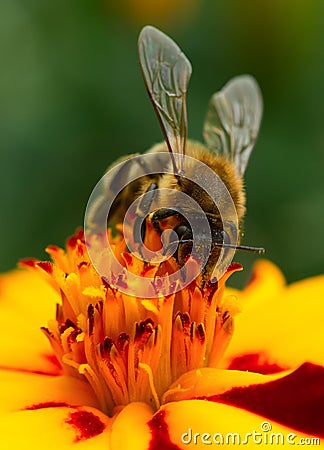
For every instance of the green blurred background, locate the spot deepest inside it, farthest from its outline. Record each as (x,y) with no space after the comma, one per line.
(72,100)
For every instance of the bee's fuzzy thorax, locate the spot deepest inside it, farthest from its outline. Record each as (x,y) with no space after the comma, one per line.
(218,163)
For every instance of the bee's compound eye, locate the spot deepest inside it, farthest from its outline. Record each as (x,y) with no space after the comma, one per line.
(182,231)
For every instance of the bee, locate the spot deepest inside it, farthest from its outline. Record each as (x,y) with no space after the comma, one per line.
(230,131)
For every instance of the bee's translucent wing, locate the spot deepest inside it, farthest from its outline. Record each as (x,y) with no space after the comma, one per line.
(233,120)
(166,72)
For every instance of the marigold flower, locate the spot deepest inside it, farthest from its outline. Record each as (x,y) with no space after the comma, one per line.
(136,373)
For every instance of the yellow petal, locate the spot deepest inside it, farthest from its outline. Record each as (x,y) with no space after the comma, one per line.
(199,423)
(26,390)
(266,282)
(130,430)
(284,325)
(207,382)
(26,303)
(293,398)
(55,428)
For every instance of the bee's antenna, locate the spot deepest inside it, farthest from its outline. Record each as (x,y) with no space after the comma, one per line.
(259,250)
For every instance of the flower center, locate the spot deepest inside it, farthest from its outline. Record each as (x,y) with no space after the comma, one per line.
(132,349)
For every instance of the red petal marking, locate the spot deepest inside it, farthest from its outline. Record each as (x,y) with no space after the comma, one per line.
(53,248)
(28,262)
(200,333)
(46,405)
(147,269)
(46,265)
(253,363)
(160,433)
(73,240)
(128,259)
(233,267)
(83,264)
(185,321)
(53,373)
(86,424)
(91,318)
(296,400)
(144,330)
(77,241)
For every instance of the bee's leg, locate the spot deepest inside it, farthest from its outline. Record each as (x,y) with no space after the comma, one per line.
(183,230)
(142,211)
(185,243)
(184,248)
(184,236)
